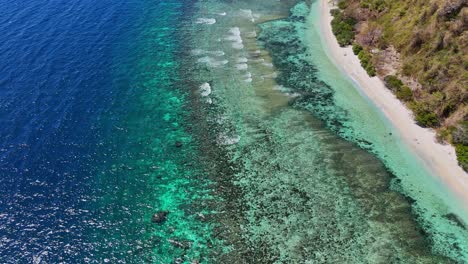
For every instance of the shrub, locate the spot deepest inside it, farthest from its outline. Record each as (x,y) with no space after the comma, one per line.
(408,69)
(343,28)
(379,5)
(364,57)
(342,4)
(444,134)
(462,155)
(370,69)
(366,63)
(460,134)
(424,116)
(364,5)
(427,119)
(393,83)
(357,48)
(335,12)
(404,93)
(401,91)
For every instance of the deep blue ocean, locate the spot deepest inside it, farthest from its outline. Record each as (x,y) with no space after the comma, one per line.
(74,163)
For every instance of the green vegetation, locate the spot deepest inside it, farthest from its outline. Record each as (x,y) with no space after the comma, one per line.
(460,139)
(366,62)
(427,119)
(342,4)
(459,134)
(357,48)
(423,115)
(393,83)
(377,5)
(343,27)
(462,155)
(402,91)
(405,93)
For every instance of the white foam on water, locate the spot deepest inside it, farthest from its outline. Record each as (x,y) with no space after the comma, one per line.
(242,60)
(248,77)
(211,62)
(247,13)
(286,91)
(242,66)
(238,46)
(206,21)
(292,95)
(268,64)
(205,89)
(278,88)
(259,60)
(235,36)
(252,34)
(272,75)
(225,140)
(206,60)
(221,119)
(218,53)
(198,52)
(235,31)
(208,100)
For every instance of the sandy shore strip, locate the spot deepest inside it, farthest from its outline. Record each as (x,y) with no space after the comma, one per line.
(440,159)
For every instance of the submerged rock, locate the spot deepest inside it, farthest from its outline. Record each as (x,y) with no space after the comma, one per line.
(159,217)
(455,219)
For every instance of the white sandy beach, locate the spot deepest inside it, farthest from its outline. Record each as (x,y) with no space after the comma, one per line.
(440,159)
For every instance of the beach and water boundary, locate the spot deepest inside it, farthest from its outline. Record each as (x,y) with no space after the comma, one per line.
(215,132)
(260,104)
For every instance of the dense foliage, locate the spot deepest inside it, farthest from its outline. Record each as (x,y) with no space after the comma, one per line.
(460,139)
(366,62)
(356,48)
(343,28)
(462,155)
(402,91)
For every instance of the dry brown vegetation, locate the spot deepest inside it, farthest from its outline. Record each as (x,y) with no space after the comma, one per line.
(431,39)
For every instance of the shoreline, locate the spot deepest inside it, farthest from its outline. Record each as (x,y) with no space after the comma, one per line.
(439,159)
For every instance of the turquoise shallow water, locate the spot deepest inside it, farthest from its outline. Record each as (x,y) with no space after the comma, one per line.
(228,116)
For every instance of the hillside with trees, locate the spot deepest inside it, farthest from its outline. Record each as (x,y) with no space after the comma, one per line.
(420,49)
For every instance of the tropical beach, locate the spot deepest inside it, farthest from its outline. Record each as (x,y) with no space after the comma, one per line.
(211,132)
(439,158)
